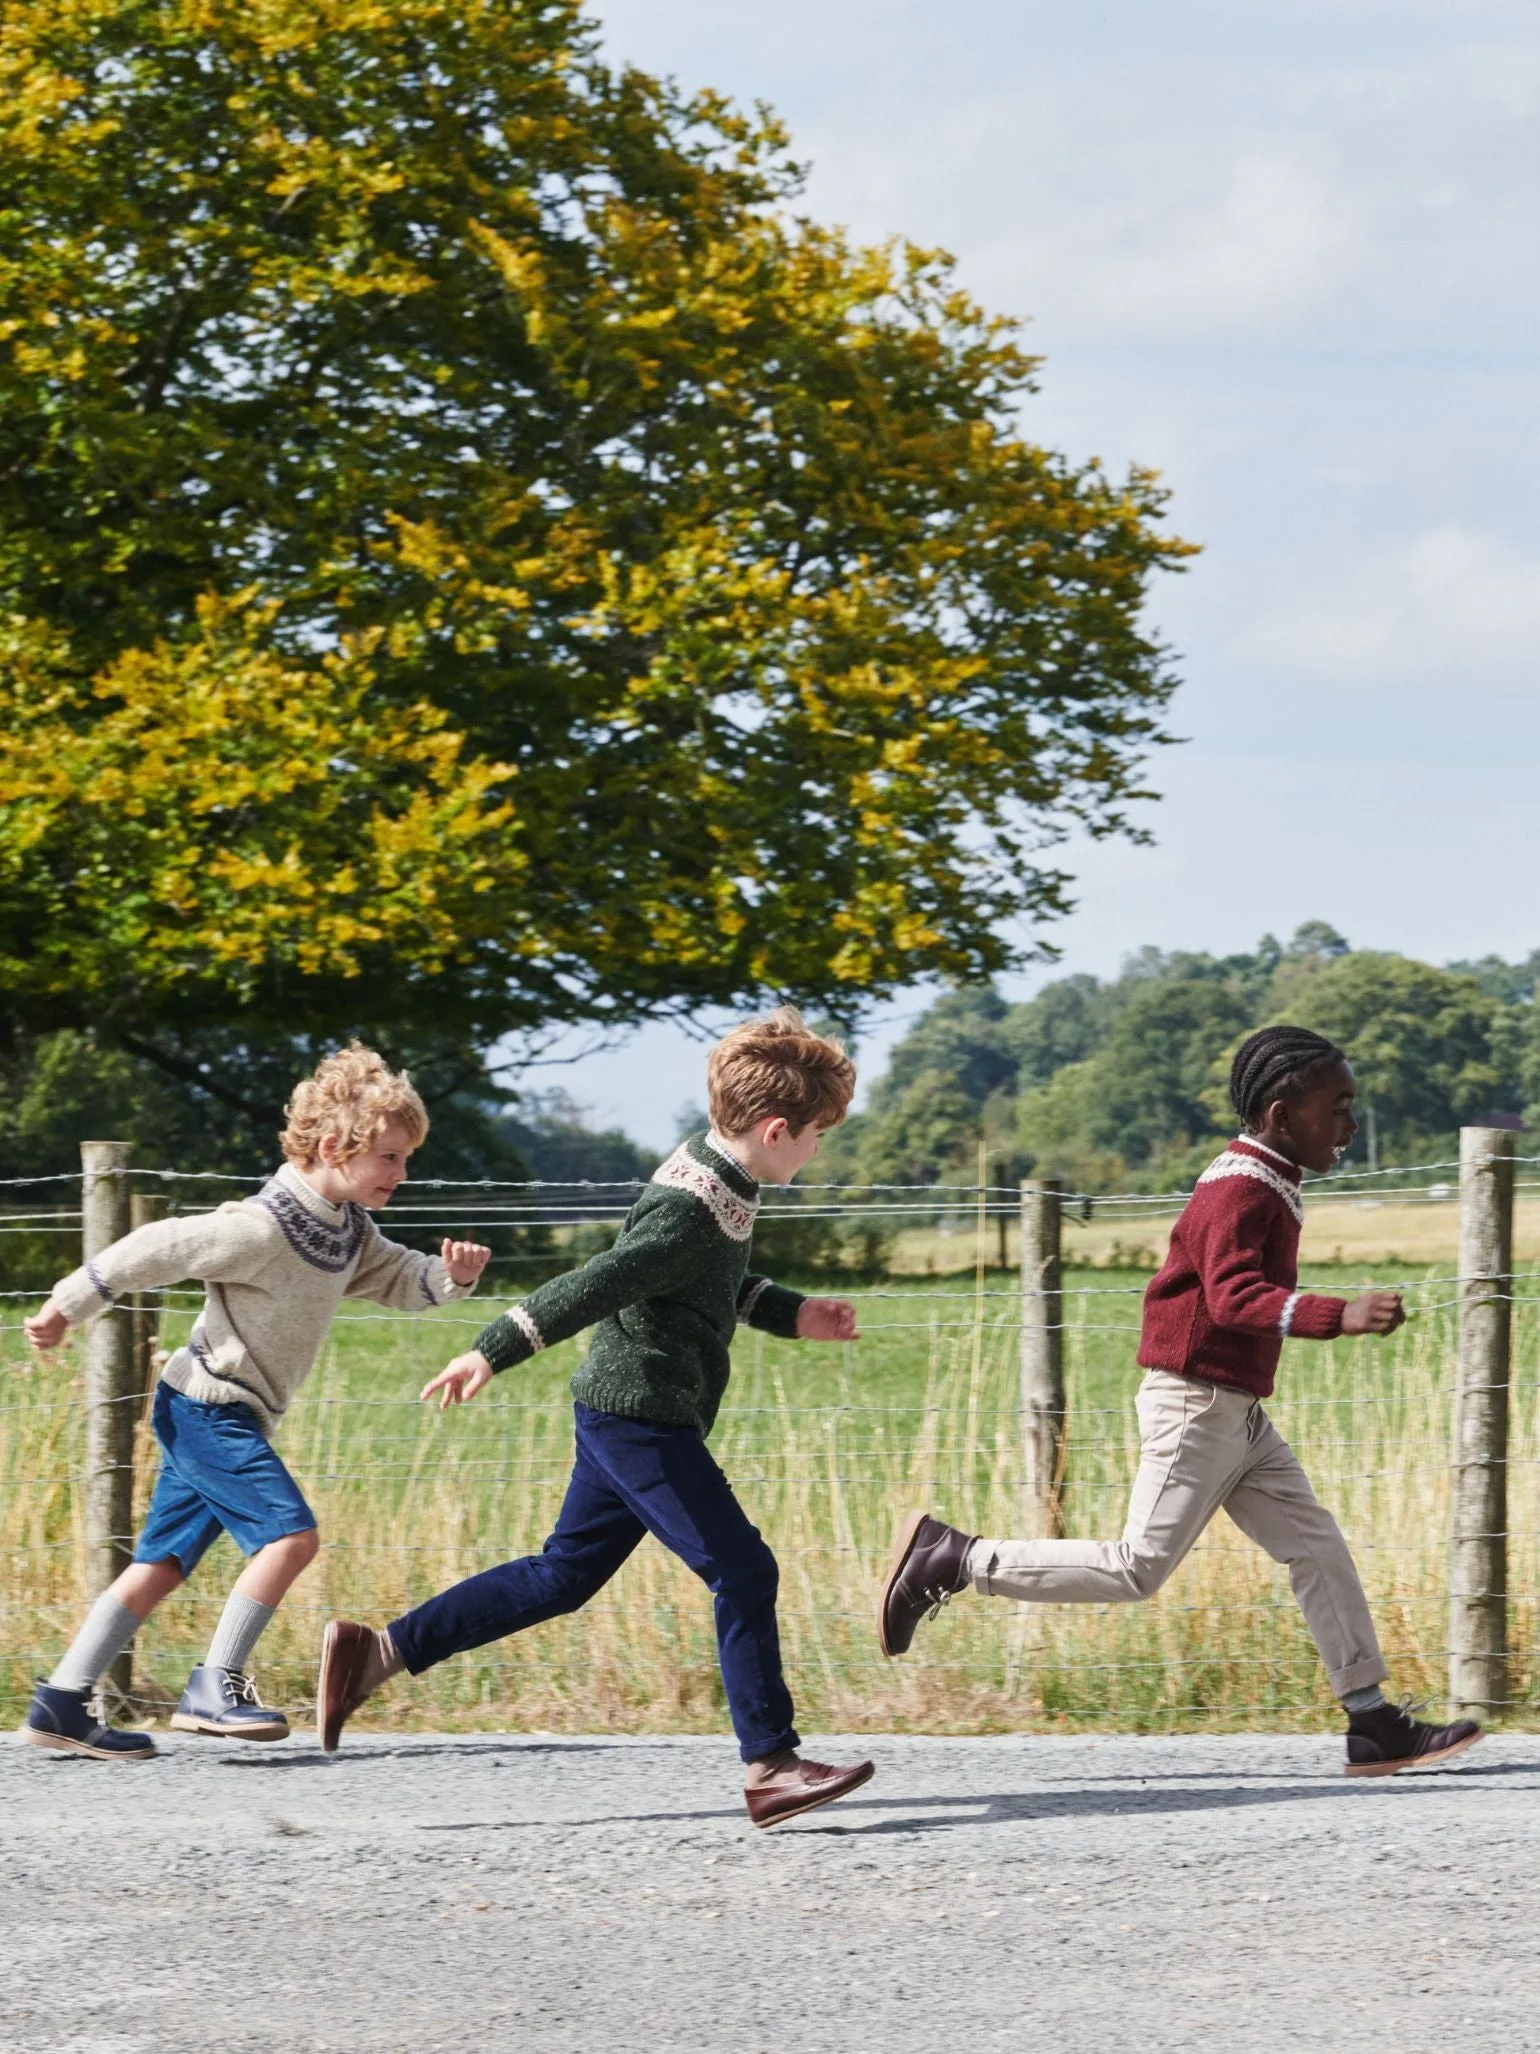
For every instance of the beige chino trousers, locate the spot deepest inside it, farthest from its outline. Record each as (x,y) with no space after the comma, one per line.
(1204,1447)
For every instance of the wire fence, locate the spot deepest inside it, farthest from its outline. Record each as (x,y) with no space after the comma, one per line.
(830,1447)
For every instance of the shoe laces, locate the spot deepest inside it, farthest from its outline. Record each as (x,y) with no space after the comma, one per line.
(937,1596)
(240,1688)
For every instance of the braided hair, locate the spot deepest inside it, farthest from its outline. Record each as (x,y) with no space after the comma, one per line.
(1277,1062)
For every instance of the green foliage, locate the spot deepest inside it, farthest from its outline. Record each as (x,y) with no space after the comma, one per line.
(1123,1084)
(1141,1096)
(1420,1039)
(550,1132)
(471,557)
(65,1088)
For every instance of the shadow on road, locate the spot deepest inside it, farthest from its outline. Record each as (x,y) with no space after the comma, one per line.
(1001,1808)
(512,1750)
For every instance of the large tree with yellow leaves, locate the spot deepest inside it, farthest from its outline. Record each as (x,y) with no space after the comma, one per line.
(471,556)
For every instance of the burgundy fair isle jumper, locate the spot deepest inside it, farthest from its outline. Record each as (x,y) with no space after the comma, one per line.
(1228,1296)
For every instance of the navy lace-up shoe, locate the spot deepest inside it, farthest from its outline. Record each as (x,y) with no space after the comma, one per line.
(225,1703)
(62,1720)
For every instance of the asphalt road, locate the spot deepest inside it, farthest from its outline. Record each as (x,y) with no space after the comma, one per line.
(596,1894)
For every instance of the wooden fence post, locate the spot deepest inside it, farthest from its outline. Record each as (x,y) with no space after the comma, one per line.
(144,1207)
(111,1412)
(1042,1354)
(1478,1554)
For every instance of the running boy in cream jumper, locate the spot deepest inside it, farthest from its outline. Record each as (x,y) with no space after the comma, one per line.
(276,1267)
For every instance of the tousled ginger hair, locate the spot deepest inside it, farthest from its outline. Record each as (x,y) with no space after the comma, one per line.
(778,1068)
(355,1095)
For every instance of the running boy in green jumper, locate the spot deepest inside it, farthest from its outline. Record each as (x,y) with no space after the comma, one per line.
(663,1301)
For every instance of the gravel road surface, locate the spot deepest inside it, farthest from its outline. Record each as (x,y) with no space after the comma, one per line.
(597,1895)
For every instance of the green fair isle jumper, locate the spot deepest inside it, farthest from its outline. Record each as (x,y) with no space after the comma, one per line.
(663,1301)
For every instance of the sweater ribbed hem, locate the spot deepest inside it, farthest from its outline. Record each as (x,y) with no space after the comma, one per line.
(184,1374)
(1258,1385)
(601,1394)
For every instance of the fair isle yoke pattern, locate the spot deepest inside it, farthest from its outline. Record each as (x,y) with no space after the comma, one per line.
(733,1214)
(1233,1164)
(322,1246)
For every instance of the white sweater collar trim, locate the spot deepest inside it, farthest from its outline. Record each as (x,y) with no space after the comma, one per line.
(298,1186)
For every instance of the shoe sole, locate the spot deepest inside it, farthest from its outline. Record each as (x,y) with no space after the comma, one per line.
(1415,1765)
(184,1722)
(57,1743)
(901,1548)
(813,1803)
(327,1739)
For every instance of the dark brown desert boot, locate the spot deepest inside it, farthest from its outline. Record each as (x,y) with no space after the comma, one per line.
(1386,1740)
(342,1686)
(803,1788)
(929,1567)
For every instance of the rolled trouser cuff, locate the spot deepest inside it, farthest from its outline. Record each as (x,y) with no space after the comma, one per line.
(1359,1675)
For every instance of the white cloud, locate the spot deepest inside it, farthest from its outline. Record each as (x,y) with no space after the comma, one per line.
(1449,605)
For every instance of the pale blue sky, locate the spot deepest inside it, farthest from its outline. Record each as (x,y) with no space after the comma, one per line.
(1288,254)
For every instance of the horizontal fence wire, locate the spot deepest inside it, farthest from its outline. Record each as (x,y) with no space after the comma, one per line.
(830,1448)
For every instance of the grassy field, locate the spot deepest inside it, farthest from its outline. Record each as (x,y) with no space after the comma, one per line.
(1404,1233)
(828,1447)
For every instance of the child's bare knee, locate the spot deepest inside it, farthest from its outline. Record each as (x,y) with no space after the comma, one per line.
(302,1548)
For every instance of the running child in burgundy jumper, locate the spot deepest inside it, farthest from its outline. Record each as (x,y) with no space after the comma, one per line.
(275,1267)
(663,1303)
(1215,1319)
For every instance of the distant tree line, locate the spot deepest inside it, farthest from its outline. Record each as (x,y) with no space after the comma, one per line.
(1120,1083)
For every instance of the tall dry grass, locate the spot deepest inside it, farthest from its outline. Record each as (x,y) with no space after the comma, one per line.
(828,1449)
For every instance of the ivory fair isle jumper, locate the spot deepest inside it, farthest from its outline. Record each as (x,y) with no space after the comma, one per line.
(275,1266)
(663,1301)
(1228,1294)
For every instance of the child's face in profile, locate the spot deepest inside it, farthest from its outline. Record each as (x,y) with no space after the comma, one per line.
(1319,1125)
(373,1176)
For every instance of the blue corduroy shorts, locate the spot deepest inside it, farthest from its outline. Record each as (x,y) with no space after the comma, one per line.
(219,1473)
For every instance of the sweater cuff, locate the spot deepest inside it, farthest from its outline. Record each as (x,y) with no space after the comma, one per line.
(83,1294)
(438,1286)
(1316,1319)
(511,1339)
(773,1309)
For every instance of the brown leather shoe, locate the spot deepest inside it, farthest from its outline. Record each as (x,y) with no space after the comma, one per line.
(345,1652)
(929,1566)
(1386,1740)
(803,1788)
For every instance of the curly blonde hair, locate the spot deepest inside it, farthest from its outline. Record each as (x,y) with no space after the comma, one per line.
(355,1095)
(778,1068)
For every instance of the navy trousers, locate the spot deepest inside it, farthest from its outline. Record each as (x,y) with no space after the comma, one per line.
(633,1478)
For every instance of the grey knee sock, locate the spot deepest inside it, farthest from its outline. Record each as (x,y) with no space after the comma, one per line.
(108,1629)
(1363,1700)
(240,1627)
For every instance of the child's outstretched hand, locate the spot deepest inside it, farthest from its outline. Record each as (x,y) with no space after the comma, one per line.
(464,1377)
(465,1260)
(1377,1312)
(826,1319)
(46,1329)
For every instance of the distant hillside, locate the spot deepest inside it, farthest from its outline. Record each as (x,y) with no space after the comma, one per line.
(1121,1083)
